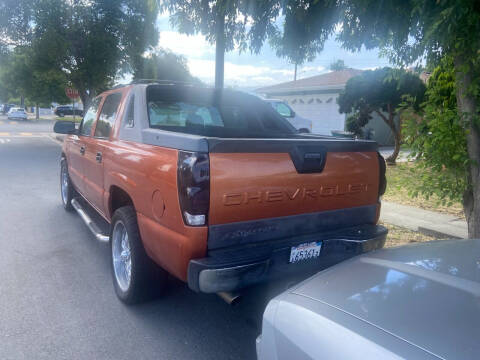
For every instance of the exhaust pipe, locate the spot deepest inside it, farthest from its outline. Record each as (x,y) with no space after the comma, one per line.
(230,298)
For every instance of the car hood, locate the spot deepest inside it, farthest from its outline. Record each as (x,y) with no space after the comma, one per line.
(426,294)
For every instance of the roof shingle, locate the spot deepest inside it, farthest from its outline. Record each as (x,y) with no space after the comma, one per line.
(331,79)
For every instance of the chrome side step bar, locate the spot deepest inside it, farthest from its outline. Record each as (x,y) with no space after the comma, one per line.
(89,222)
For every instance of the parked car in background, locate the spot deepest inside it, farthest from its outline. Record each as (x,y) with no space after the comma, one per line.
(17,113)
(419,301)
(6,107)
(63,110)
(215,188)
(301,124)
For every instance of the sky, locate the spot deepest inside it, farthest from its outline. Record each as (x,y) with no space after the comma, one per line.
(249,71)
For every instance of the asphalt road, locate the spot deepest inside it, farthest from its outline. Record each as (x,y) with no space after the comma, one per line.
(16,126)
(56,295)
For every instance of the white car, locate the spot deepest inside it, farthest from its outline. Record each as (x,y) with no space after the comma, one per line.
(301,124)
(17,113)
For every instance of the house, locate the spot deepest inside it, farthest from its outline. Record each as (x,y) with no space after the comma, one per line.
(314,98)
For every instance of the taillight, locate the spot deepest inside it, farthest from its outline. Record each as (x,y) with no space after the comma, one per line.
(382,183)
(193,179)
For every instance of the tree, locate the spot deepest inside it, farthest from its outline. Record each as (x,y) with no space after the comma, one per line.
(408,31)
(20,78)
(338,65)
(380,92)
(90,41)
(438,139)
(163,65)
(247,24)
(296,56)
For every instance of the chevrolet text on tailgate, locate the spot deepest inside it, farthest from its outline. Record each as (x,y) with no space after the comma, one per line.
(215,188)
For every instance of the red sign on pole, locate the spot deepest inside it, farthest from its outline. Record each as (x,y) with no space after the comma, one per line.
(71,93)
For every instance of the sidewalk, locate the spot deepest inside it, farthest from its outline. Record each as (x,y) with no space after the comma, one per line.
(428,222)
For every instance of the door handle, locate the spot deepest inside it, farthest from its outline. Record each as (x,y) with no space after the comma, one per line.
(99,157)
(82,150)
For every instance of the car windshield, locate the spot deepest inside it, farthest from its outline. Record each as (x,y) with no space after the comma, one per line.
(203,111)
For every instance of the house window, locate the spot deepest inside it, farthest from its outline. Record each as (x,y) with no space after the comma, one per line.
(318,101)
(310,101)
(329,100)
(301,101)
(294,101)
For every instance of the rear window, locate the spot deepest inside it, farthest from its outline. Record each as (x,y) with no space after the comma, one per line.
(203,111)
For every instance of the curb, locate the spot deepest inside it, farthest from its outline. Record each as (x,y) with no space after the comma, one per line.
(436,234)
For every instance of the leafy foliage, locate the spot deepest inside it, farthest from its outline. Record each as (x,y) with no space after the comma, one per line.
(20,78)
(164,65)
(90,41)
(297,29)
(338,65)
(438,139)
(379,91)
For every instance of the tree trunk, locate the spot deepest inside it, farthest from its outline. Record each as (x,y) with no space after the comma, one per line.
(468,109)
(37,112)
(391,160)
(85,98)
(397,134)
(220,52)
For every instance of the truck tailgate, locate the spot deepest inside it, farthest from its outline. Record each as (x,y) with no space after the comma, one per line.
(261,180)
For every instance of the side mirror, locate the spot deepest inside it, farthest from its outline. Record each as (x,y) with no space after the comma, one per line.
(64,127)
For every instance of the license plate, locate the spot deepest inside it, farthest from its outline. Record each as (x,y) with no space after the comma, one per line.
(305,251)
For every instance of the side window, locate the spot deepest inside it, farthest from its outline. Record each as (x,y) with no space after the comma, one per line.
(107,115)
(89,118)
(129,118)
(283,109)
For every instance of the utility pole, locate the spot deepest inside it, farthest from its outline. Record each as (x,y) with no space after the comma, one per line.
(295,74)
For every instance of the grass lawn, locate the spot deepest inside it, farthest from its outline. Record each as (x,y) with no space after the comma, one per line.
(69,118)
(400,180)
(399,236)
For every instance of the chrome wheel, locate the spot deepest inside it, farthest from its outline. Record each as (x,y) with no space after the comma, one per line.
(64,184)
(122,261)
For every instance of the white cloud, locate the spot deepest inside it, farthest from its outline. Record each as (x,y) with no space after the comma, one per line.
(244,75)
(187,45)
(338,28)
(284,72)
(308,68)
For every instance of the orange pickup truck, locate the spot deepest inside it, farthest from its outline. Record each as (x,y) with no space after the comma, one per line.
(215,188)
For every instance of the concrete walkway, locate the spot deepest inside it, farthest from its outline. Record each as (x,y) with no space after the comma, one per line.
(425,221)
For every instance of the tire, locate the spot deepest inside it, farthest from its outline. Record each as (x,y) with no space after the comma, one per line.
(145,280)
(67,192)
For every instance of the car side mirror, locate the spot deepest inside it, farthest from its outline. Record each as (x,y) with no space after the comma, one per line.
(64,127)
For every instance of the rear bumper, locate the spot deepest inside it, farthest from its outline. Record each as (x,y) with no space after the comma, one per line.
(240,266)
